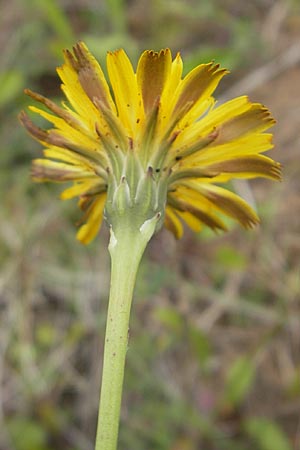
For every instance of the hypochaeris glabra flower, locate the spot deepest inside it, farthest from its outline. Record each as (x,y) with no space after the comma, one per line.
(158,137)
(150,147)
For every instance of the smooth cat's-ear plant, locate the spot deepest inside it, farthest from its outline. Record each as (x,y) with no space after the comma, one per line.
(147,149)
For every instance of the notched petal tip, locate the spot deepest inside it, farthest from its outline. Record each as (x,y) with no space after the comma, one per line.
(82,76)
(157,54)
(115,53)
(69,60)
(79,50)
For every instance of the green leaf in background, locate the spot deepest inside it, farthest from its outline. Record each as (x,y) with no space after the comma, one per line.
(11,83)
(226,57)
(267,434)
(170,318)
(26,434)
(229,257)
(200,344)
(239,380)
(56,18)
(293,388)
(117,13)
(45,335)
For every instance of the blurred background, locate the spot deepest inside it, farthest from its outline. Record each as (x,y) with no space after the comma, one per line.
(214,352)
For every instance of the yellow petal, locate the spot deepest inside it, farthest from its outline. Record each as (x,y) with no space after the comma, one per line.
(81,145)
(91,76)
(74,159)
(241,167)
(211,120)
(69,116)
(88,137)
(124,84)
(87,187)
(70,123)
(244,146)
(183,200)
(85,145)
(172,223)
(256,120)
(168,99)
(153,71)
(193,222)
(89,230)
(46,170)
(196,89)
(233,120)
(227,202)
(62,154)
(75,93)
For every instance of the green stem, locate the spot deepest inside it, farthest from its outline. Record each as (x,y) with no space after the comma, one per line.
(126,249)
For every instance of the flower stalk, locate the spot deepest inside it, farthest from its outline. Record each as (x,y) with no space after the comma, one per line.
(126,251)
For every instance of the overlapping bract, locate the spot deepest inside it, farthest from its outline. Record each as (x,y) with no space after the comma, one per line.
(172,125)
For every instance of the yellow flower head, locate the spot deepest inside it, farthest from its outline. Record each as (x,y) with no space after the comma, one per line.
(150,141)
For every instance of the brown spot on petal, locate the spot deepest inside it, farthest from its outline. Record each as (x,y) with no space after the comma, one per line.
(89,73)
(152,72)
